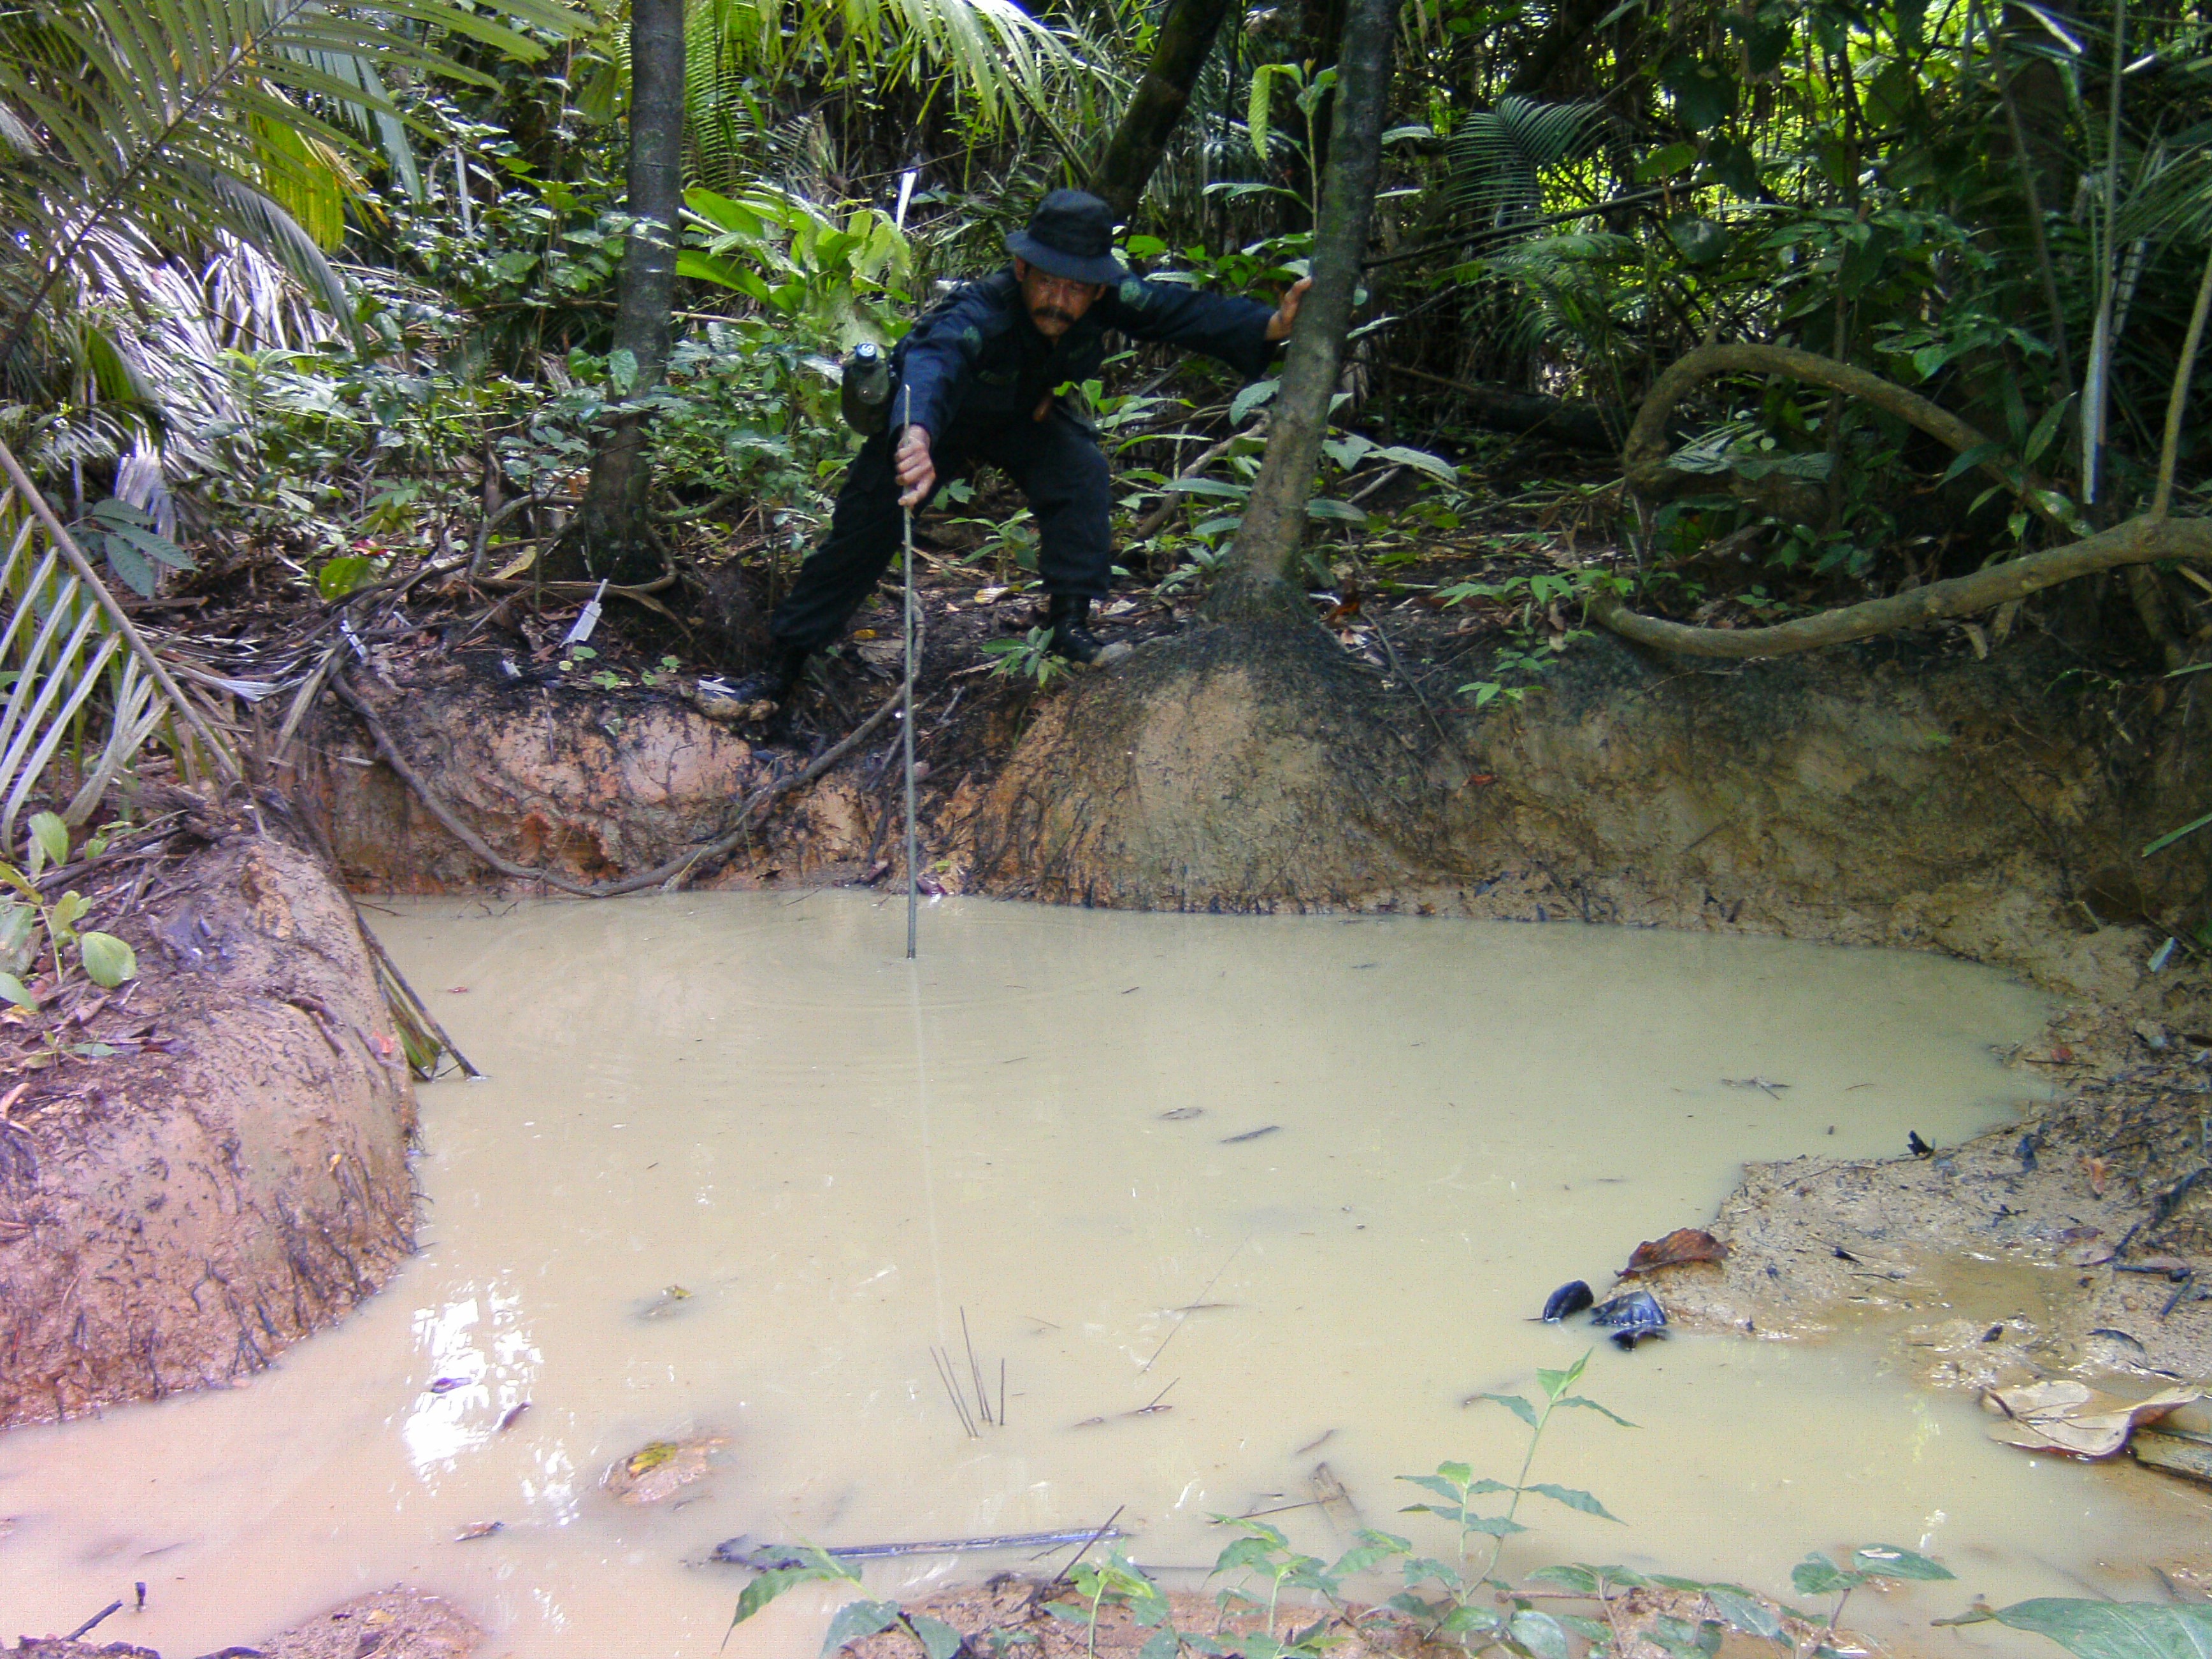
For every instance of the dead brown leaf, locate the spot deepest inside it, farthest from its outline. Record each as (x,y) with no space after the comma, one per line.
(1684,1244)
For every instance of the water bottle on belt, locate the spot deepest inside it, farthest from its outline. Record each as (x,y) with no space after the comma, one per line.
(864,393)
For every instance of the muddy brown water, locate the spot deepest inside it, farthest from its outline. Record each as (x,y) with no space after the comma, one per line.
(1048,1127)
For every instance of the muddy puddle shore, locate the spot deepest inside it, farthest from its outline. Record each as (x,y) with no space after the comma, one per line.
(1229,1199)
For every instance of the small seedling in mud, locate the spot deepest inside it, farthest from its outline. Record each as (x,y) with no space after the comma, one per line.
(1460,1602)
(33,927)
(1027,658)
(854,1620)
(1818,1576)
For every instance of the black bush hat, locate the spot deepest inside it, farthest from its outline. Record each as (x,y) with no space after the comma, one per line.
(1070,234)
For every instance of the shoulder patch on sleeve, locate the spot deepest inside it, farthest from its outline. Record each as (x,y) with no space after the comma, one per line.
(1134,294)
(971,336)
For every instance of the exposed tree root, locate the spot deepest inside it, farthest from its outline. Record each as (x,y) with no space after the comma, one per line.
(1644,456)
(2139,541)
(670,876)
(2133,544)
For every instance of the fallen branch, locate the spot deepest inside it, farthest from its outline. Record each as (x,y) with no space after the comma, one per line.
(1530,414)
(670,876)
(2137,542)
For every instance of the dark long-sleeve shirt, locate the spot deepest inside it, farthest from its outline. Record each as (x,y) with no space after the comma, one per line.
(976,360)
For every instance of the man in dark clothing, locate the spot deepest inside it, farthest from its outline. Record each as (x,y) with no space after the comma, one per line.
(980,370)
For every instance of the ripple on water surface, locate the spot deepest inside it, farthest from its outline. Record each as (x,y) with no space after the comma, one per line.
(1301,1181)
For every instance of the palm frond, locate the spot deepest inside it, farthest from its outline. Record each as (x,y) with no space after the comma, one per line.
(82,693)
(1497,158)
(163,115)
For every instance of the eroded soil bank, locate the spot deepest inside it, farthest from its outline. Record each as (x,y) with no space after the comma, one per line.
(208,1163)
(1905,793)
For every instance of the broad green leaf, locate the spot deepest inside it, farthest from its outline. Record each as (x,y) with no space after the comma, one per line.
(66,910)
(1540,1633)
(1818,1576)
(1889,1561)
(1666,163)
(1745,1614)
(770,1585)
(622,374)
(1581,1580)
(856,1620)
(1492,1526)
(1702,242)
(2117,1630)
(1514,1403)
(50,836)
(1592,1406)
(1420,459)
(938,1639)
(13,989)
(1574,1498)
(1705,93)
(1160,1645)
(1321,507)
(18,935)
(1249,399)
(343,575)
(108,961)
(1209,487)
(1968,459)
(2046,430)
(1242,1553)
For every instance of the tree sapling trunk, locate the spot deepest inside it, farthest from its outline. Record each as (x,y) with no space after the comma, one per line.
(1186,36)
(611,535)
(1269,542)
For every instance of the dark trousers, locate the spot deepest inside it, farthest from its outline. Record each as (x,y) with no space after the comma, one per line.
(1055,462)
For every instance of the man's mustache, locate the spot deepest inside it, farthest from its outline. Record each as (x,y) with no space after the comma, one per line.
(1053,313)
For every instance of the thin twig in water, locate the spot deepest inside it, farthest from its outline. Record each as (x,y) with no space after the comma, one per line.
(944,1375)
(1200,1297)
(974,1371)
(1061,1577)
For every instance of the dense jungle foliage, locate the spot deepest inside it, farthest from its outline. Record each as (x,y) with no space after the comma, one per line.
(341,283)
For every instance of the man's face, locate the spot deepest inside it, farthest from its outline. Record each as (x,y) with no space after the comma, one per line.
(1055,304)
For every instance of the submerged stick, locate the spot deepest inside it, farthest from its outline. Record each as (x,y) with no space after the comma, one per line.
(906,725)
(960,1406)
(117,1606)
(768,1557)
(415,1005)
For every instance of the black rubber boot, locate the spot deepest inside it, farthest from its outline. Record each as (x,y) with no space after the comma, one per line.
(1072,638)
(776,683)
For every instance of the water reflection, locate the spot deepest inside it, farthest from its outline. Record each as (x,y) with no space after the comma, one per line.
(481,1364)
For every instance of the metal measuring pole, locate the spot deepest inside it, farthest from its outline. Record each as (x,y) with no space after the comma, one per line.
(906,710)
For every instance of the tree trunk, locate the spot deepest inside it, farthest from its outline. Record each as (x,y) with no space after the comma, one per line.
(611,535)
(1572,27)
(1267,544)
(1186,36)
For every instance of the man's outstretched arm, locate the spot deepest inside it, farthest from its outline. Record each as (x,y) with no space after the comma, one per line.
(1241,332)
